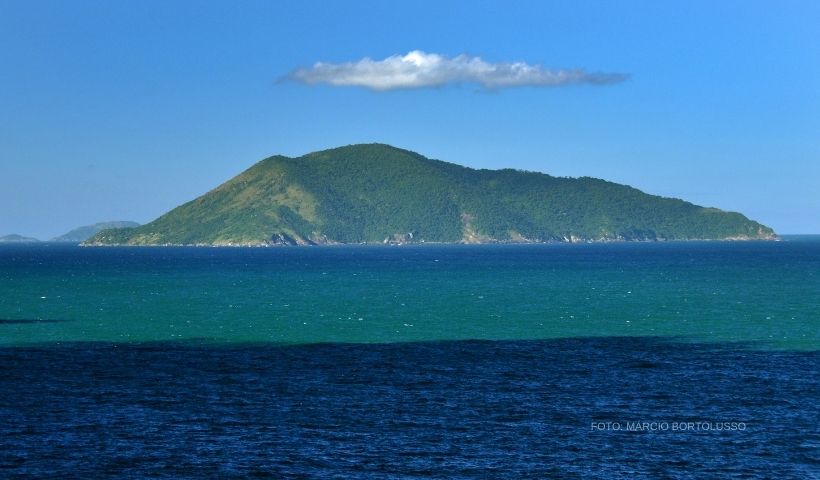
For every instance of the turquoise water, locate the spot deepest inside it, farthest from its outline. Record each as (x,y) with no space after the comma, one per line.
(465,362)
(766,294)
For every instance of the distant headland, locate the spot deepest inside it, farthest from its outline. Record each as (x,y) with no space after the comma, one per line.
(81,234)
(76,235)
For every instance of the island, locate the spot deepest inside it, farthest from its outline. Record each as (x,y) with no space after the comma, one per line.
(376,193)
(15,238)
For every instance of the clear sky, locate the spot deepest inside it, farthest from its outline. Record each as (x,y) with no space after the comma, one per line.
(121,110)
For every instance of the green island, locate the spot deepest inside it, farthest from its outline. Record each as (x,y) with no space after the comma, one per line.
(377,193)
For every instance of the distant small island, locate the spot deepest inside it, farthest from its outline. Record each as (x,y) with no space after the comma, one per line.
(15,238)
(377,193)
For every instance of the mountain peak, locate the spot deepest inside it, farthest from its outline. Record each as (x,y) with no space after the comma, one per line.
(364,151)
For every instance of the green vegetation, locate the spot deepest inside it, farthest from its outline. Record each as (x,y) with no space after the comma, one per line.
(373,193)
(81,234)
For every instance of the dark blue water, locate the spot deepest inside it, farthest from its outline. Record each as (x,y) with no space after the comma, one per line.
(460,409)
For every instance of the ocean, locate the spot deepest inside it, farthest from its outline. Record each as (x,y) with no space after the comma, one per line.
(620,360)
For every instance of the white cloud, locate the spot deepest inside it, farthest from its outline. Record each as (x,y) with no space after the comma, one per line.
(419,69)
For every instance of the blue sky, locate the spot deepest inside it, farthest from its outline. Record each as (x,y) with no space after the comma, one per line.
(123,110)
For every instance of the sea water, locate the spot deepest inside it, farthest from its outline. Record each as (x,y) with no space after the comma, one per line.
(441,361)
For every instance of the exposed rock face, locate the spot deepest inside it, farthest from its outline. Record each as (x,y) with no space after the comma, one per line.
(282,239)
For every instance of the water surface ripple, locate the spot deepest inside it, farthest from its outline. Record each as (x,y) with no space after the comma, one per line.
(459,409)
